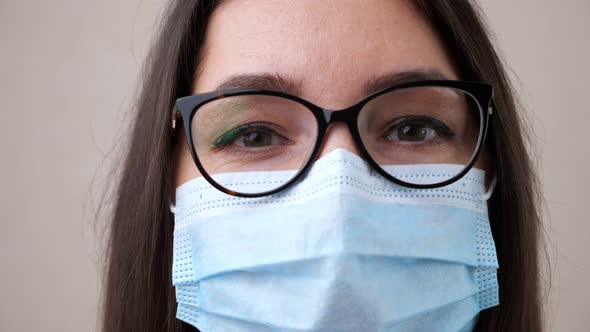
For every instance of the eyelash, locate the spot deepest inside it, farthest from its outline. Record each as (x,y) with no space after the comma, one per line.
(229,136)
(438,126)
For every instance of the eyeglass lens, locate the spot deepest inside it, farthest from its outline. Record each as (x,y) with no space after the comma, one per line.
(261,133)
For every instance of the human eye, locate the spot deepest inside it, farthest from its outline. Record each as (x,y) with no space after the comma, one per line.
(416,130)
(251,136)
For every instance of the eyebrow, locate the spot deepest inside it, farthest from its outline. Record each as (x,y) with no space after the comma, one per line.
(276,82)
(390,79)
(264,81)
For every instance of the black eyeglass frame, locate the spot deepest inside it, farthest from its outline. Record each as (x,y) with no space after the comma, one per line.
(186,108)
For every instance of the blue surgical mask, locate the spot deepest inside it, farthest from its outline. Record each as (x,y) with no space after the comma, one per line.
(342,250)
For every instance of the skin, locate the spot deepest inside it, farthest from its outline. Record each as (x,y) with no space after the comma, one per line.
(332,47)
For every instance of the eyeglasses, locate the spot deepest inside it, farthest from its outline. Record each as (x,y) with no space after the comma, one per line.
(422,122)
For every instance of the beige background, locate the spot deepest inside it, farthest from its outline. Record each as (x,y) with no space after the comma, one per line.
(68,71)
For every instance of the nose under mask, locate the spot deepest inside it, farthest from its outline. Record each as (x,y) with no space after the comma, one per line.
(342,250)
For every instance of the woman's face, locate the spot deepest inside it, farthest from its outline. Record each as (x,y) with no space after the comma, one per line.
(325,51)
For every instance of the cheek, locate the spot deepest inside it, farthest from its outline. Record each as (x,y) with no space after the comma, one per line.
(484,162)
(184,168)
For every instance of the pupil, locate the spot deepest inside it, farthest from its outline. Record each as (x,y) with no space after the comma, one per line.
(255,139)
(412,133)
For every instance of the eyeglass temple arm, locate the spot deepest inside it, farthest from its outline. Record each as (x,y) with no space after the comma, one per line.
(175,115)
(491,107)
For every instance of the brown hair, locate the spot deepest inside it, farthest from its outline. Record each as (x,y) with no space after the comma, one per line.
(139,295)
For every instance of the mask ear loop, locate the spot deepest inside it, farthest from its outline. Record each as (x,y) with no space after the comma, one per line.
(172,207)
(486,196)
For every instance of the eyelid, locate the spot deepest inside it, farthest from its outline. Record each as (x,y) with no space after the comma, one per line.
(424,120)
(234,132)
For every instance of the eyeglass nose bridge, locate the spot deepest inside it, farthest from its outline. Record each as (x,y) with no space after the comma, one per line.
(346,115)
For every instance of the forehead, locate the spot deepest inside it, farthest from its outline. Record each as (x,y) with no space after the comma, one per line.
(331,48)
